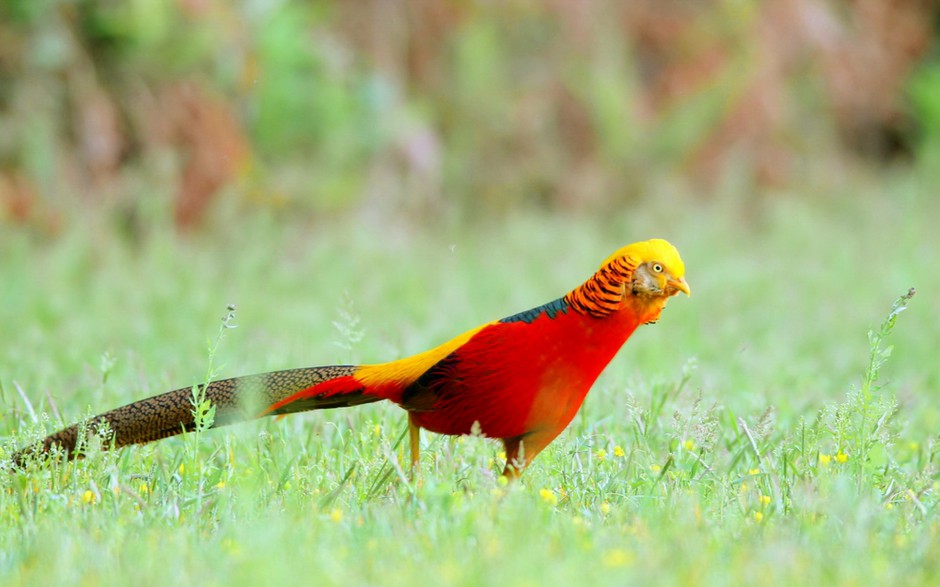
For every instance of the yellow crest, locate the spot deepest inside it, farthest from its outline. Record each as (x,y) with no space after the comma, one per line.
(655,249)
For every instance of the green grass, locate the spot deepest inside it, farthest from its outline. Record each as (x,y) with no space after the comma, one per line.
(744,439)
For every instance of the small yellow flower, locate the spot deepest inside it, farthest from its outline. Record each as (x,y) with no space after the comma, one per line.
(182,468)
(336,515)
(841,457)
(824,459)
(220,484)
(743,488)
(889,506)
(89,497)
(116,490)
(689,445)
(765,500)
(605,508)
(377,430)
(617,557)
(758,517)
(618,451)
(601,454)
(549,497)
(230,546)
(501,455)
(753,472)
(287,486)
(655,468)
(144,489)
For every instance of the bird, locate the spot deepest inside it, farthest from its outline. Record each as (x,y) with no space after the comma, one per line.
(520,379)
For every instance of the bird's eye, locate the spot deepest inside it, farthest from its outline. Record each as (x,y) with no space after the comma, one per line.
(657,268)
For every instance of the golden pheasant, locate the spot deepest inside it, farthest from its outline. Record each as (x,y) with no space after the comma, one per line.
(520,379)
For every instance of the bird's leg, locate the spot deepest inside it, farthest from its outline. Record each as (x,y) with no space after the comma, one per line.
(414,436)
(516,460)
(522,449)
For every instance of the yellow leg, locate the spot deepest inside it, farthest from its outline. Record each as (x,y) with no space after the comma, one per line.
(414,436)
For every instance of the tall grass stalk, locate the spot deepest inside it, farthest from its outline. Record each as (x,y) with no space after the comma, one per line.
(203,411)
(875,409)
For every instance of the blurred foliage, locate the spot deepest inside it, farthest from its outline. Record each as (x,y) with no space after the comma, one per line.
(435,109)
(924,92)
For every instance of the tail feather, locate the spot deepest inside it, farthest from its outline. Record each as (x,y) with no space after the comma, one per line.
(236,399)
(339,392)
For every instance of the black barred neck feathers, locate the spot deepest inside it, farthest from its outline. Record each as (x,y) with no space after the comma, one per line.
(603,292)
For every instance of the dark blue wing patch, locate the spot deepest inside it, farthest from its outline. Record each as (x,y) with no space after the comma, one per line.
(551,309)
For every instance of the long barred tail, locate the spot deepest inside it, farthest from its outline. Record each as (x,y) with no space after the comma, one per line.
(236,400)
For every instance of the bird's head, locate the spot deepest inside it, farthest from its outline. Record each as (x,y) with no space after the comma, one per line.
(652,272)
(659,271)
(638,278)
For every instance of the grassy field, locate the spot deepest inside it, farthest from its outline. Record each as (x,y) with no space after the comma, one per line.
(743,439)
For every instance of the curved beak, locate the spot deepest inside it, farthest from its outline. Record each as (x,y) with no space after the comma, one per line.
(680,285)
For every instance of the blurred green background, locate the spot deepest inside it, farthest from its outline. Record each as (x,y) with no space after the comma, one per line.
(145,111)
